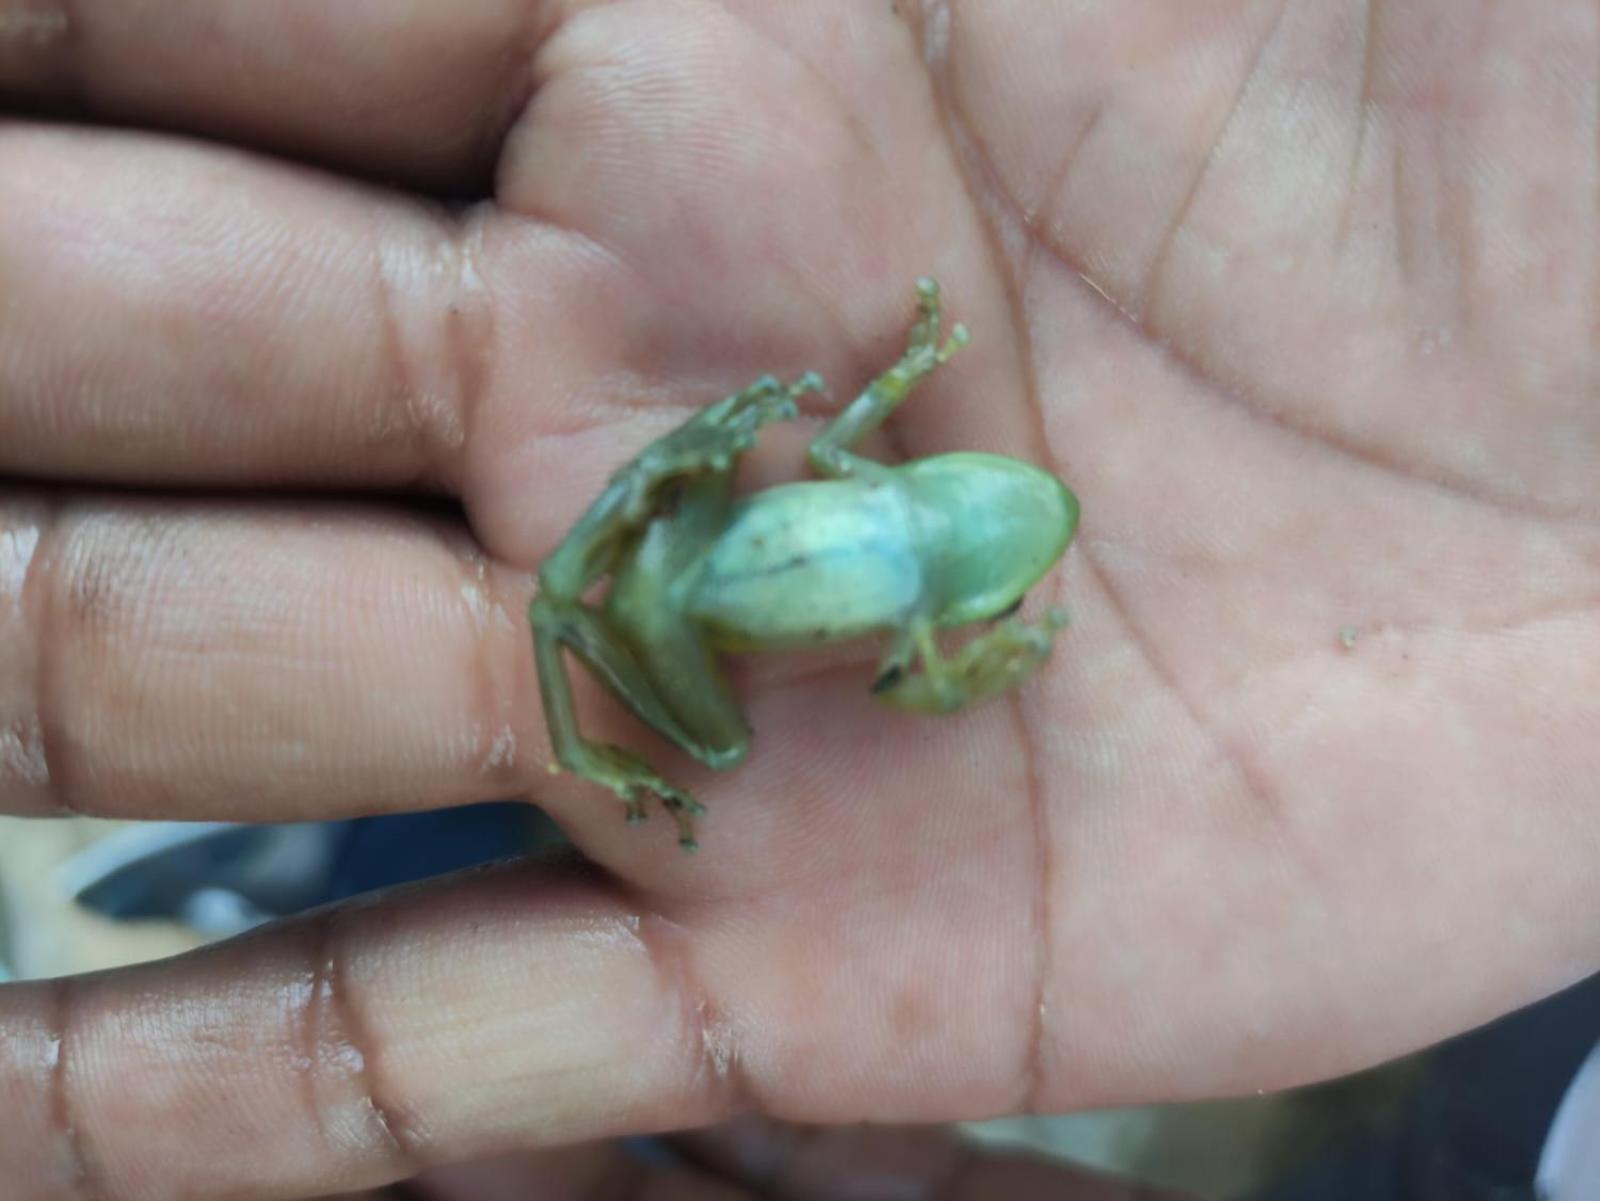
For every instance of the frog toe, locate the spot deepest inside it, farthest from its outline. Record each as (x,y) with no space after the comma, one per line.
(683,809)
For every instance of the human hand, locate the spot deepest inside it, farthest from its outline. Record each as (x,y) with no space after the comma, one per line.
(1300,306)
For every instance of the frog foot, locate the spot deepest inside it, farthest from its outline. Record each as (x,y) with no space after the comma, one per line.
(1003,657)
(713,438)
(631,779)
(924,351)
(999,659)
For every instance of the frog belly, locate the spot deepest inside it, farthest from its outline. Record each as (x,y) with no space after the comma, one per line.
(809,563)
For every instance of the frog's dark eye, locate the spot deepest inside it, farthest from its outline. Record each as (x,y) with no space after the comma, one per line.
(888,679)
(1010,610)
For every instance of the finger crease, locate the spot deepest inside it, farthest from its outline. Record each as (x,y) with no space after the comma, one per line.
(469,330)
(402,399)
(719,1073)
(338,1061)
(40,596)
(494,674)
(81,1176)
(412,414)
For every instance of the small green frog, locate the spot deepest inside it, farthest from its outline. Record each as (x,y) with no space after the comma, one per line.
(868,549)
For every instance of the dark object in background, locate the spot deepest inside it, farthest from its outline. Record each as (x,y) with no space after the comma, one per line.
(1478,1118)
(221,878)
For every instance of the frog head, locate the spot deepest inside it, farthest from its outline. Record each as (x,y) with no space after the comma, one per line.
(1001,525)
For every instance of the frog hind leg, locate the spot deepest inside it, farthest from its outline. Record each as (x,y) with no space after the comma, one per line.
(829,452)
(999,659)
(703,449)
(706,718)
(560,625)
(675,682)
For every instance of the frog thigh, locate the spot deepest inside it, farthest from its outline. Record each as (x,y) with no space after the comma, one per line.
(633,670)
(673,651)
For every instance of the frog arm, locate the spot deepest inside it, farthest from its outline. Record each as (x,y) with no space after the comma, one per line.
(708,443)
(829,453)
(1000,658)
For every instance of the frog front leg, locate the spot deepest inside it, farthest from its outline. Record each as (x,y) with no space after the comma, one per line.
(707,443)
(701,452)
(1000,658)
(830,453)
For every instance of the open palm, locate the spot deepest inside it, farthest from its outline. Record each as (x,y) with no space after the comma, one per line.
(1301,299)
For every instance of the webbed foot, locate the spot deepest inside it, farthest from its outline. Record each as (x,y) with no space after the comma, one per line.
(632,779)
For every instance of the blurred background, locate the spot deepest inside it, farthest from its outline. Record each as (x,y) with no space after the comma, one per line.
(1506,1113)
